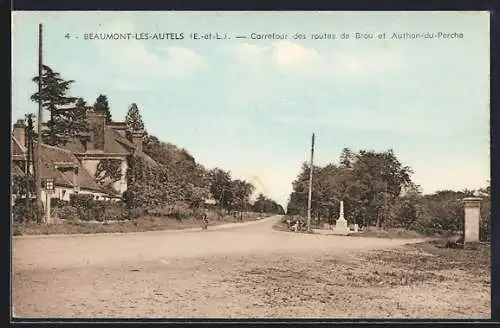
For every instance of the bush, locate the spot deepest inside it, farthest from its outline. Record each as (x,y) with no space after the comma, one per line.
(81,200)
(67,212)
(97,211)
(485,223)
(114,211)
(177,210)
(89,209)
(20,213)
(485,230)
(17,231)
(134,213)
(454,242)
(58,203)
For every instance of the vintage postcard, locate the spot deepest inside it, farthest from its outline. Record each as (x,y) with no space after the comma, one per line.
(250,165)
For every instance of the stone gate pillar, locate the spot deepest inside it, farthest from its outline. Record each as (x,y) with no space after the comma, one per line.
(472,206)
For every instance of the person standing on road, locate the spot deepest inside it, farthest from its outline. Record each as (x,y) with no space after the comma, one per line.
(204,223)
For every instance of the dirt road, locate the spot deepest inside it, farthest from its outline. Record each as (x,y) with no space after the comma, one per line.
(249,238)
(191,273)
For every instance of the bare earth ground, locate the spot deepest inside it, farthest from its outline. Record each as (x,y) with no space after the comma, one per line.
(245,270)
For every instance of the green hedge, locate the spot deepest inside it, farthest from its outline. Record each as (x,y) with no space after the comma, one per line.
(20,213)
(88,209)
(178,211)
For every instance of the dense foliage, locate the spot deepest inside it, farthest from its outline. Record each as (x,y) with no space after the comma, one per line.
(108,171)
(21,212)
(178,179)
(66,115)
(184,181)
(377,191)
(84,207)
(267,205)
(133,119)
(102,105)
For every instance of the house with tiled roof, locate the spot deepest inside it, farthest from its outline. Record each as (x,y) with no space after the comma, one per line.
(75,166)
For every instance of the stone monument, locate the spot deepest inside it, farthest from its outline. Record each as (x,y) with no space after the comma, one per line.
(472,206)
(341,223)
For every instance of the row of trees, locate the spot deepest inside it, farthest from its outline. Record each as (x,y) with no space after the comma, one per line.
(179,178)
(377,190)
(368,182)
(267,205)
(176,178)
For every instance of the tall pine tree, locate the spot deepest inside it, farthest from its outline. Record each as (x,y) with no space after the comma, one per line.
(65,120)
(101,105)
(134,119)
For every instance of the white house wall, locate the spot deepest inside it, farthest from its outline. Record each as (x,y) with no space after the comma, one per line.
(64,193)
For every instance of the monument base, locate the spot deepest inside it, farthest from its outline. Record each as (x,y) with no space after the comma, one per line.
(341,228)
(471,245)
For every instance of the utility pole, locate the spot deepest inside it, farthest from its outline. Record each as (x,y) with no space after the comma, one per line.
(29,145)
(37,160)
(310,186)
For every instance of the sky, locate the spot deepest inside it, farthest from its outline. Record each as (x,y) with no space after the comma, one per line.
(250,105)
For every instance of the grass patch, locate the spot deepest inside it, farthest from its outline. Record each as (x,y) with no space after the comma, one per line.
(145,223)
(411,265)
(390,233)
(394,281)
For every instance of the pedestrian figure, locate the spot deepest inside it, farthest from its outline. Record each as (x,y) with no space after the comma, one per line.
(204,222)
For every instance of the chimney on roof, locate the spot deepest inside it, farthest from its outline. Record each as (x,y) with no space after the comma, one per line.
(137,137)
(19,131)
(97,123)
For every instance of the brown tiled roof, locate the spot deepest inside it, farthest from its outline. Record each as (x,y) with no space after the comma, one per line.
(17,149)
(116,144)
(16,170)
(125,143)
(74,146)
(109,189)
(51,155)
(85,180)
